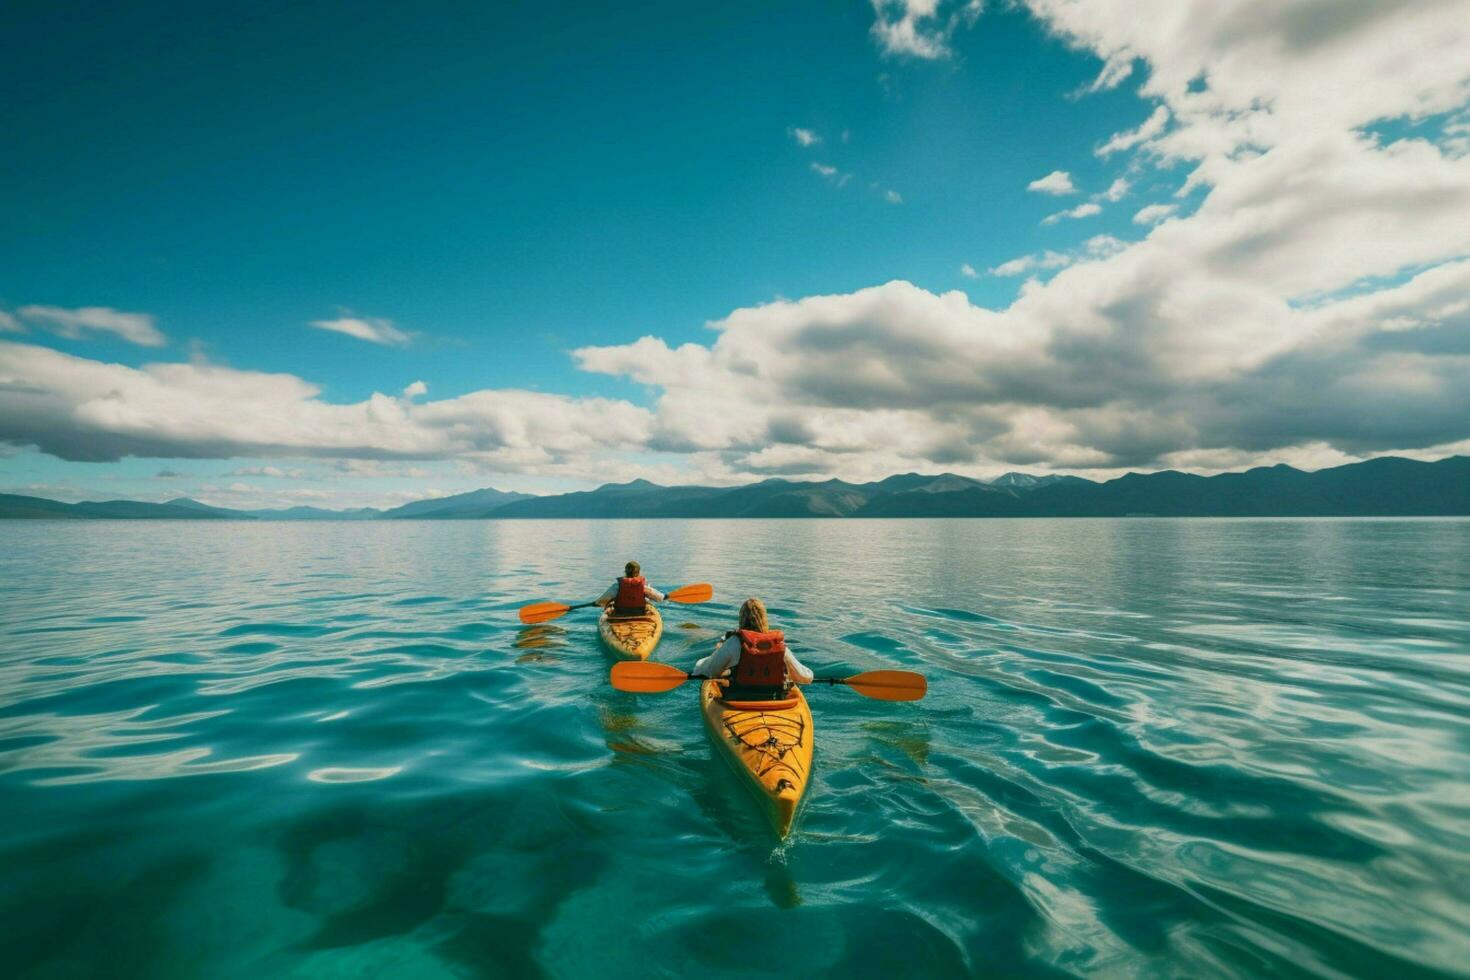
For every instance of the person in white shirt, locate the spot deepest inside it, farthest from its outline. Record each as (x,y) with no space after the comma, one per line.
(630,594)
(760,665)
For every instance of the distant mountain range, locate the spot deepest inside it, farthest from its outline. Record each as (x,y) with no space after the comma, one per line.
(1383,487)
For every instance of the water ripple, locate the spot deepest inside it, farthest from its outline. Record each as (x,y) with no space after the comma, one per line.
(1150,748)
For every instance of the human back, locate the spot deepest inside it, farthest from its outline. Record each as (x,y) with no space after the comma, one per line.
(760,665)
(630,593)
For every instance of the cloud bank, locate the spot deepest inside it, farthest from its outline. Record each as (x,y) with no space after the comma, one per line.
(81,409)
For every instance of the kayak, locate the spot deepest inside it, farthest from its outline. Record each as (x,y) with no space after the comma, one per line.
(633,637)
(769,743)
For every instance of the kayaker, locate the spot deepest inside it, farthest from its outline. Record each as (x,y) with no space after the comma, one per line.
(760,665)
(630,594)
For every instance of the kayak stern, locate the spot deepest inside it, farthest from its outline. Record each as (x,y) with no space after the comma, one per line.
(631,637)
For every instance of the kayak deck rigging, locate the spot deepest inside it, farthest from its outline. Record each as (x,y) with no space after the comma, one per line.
(784,733)
(770,747)
(633,636)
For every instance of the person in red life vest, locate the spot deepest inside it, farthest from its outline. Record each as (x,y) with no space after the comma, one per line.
(630,594)
(760,665)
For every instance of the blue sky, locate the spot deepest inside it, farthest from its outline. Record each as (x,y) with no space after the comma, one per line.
(500,186)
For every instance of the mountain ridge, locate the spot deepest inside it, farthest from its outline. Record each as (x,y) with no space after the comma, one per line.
(1382,487)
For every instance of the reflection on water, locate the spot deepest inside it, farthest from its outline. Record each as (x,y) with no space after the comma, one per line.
(1165,748)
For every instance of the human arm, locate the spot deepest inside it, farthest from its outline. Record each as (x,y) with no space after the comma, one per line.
(726,655)
(649,592)
(799,671)
(608,596)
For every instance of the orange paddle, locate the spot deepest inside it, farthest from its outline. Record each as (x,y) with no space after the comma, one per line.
(544,612)
(647,677)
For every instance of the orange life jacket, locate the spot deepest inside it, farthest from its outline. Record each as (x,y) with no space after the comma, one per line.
(762,663)
(630,598)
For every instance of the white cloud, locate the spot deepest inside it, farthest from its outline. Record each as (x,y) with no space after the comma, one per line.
(1128,139)
(9,324)
(837,178)
(1102,246)
(1096,247)
(137,328)
(1457,135)
(892,196)
(1097,370)
(968,271)
(415,390)
(1057,182)
(1026,263)
(273,472)
(920,28)
(1265,72)
(1154,213)
(82,409)
(1086,210)
(1314,305)
(376,331)
(805,137)
(1116,190)
(377,469)
(1113,73)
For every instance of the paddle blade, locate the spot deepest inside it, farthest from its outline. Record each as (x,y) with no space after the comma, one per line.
(541,612)
(889,685)
(646,677)
(699,592)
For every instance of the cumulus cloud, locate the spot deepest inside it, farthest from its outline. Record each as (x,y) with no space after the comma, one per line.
(1153,213)
(415,390)
(805,137)
(1264,72)
(9,324)
(136,328)
(920,28)
(1041,260)
(903,376)
(968,271)
(1314,305)
(1086,210)
(1057,182)
(374,331)
(82,409)
(1147,130)
(892,196)
(1116,191)
(1096,247)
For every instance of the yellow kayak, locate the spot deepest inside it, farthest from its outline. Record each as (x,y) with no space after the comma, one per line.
(768,743)
(633,637)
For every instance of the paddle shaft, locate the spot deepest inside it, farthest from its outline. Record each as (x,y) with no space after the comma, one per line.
(829,681)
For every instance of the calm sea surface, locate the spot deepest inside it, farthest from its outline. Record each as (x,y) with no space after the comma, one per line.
(1151,747)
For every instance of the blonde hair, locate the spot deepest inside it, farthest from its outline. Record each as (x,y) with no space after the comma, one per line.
(753,616)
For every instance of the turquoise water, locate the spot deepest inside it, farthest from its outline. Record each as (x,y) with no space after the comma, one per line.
(1151,747)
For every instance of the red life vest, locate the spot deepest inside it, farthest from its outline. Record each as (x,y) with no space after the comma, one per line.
(630,598)
(762,661)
